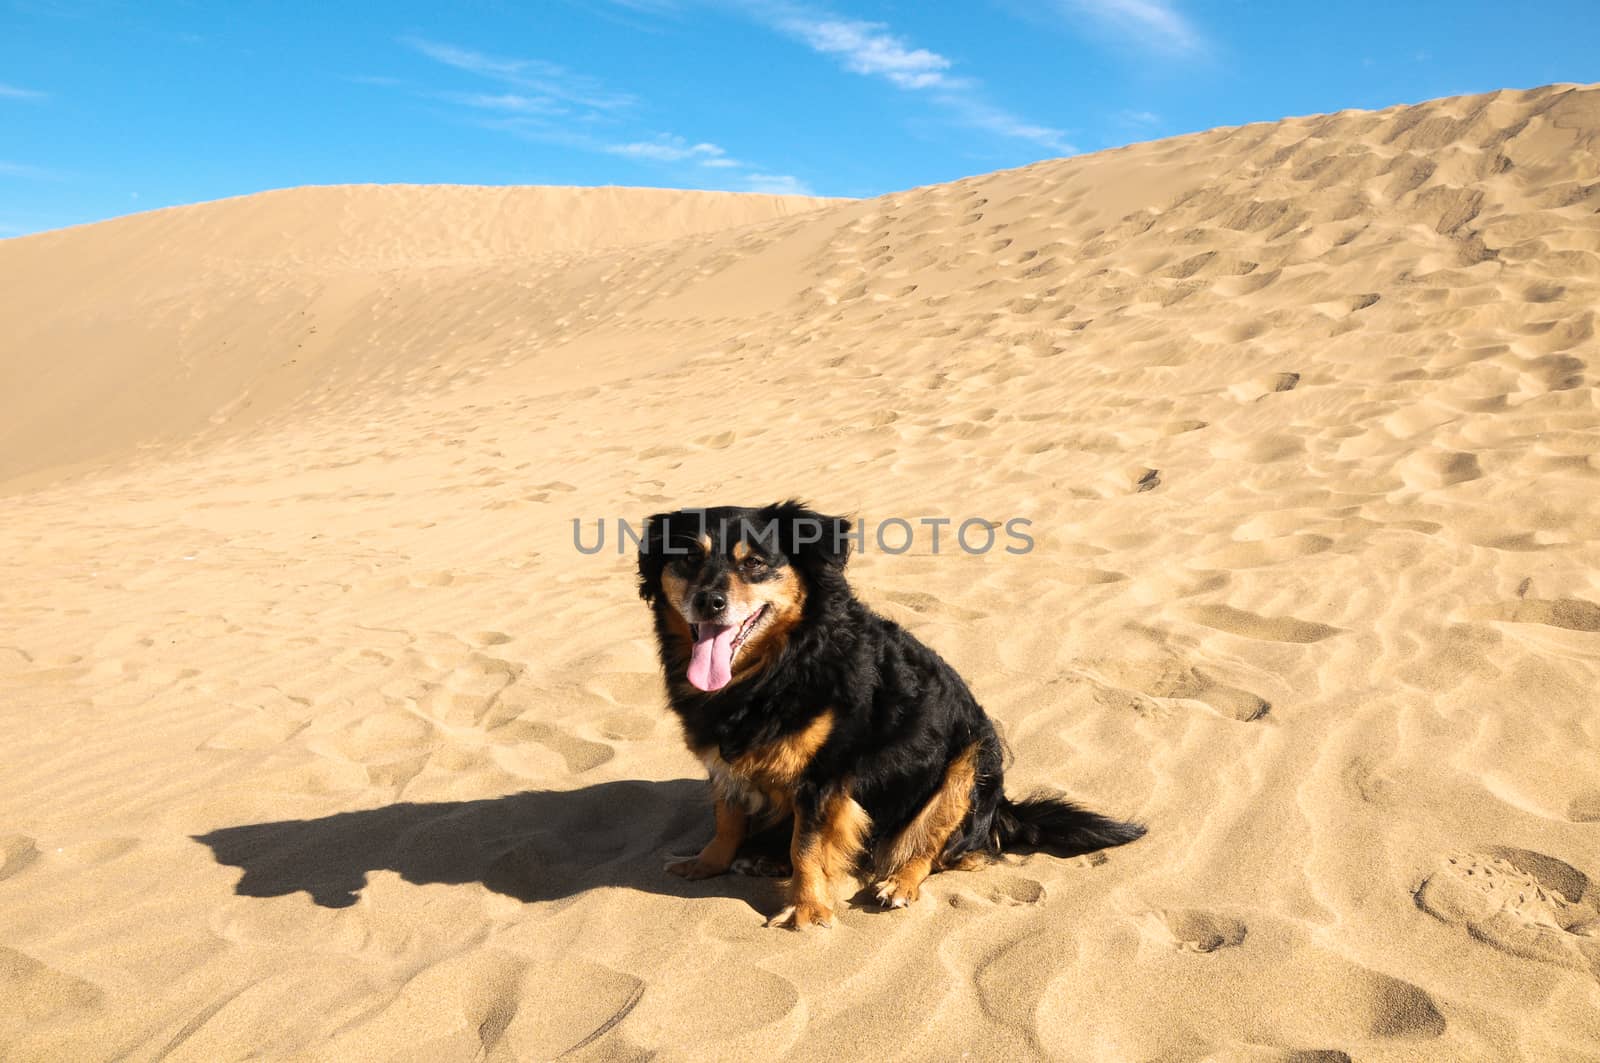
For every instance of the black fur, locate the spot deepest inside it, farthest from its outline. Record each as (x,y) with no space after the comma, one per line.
(901,714)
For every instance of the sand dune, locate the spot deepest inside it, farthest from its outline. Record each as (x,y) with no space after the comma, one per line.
(324,742)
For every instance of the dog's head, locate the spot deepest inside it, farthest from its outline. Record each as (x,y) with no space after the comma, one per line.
(730,583)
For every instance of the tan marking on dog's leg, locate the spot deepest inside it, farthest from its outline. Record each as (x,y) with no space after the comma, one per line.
(970,862)
(733,823)
(911,856)
(823,853)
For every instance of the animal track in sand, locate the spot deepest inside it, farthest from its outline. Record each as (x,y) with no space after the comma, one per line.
(579,753)
(34,992)
(995,886)
(626,688)
(1167,677)
(767,1014)
(928,604)
(1254,553)
(1254,626)
(1585,808)
(1426,470)
(1519,901)
(1259,450)
(1262,386)
(17,851)
(469,690)
(1573,614)
(1193,929)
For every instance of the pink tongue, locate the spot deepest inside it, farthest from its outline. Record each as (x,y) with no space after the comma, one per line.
(708,661)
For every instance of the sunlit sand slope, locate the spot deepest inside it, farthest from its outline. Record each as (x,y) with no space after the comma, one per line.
(324,741)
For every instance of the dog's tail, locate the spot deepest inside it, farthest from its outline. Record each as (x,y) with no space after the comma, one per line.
(1057,826)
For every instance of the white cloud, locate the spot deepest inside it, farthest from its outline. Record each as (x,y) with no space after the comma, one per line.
(867,48)
(777,185)
(547,103)
(508,102)
(1144,118)
(1156,25)
(979,115)
(530,75)
(872,50)
(23,170)
(375,80)
(668,148)
(14,92)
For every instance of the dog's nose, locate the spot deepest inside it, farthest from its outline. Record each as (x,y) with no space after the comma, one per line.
(713,601)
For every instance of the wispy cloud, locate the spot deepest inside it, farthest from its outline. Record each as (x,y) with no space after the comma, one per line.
(872,49)
(505,102)
(533,76)
(15,92)
(1139,118)
(1152,25)
(546,103)
(669,148)
(869,48)
(375,80)
(776,185)
(976,114)
(26,172)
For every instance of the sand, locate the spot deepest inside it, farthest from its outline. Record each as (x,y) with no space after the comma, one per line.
(324,742)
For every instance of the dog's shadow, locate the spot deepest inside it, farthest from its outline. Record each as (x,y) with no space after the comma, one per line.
(535,846)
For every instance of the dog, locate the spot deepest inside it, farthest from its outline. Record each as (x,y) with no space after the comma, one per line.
(814,713)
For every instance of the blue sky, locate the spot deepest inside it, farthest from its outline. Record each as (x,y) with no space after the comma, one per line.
(112,107)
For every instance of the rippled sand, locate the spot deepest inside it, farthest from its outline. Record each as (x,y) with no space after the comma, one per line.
(322,740)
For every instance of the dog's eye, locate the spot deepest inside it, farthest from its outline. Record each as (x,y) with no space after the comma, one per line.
(755,564)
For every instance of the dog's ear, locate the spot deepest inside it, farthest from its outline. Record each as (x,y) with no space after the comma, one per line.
(814,542)
(652,556)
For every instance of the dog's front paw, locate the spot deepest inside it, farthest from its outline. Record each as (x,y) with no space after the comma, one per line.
(696,867)
(892,893)
(799,916)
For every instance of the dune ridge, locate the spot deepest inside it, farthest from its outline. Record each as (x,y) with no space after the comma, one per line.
(324,740)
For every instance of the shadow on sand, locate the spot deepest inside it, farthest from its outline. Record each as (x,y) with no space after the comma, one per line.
(536,846)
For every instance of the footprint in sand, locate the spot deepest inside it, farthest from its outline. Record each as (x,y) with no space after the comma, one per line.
(17,851)
(1585,808)
(1254,626)
(1192,929)
(1519,901)
(1257,553)
(579,753)
(1573,614)
(32,992)
(994,887)
(1262,386)
(467,693)
(1427,470)
(1159,673)
(769,1012)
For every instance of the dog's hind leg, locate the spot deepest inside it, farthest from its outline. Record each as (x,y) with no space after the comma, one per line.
(909,858)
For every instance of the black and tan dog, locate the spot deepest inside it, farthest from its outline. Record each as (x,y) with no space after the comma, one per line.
(805,704)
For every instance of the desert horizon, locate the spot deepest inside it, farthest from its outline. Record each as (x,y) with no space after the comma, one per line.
(327,738)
